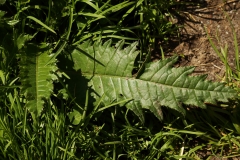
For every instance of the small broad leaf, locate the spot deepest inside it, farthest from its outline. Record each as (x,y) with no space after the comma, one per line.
(75,117)
(109,70)
(22,39)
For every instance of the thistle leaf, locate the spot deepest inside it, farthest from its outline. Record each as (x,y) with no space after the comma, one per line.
(109,70)
(36,78)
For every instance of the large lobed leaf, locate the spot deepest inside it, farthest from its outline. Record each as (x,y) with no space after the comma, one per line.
(110,72)
(36,76)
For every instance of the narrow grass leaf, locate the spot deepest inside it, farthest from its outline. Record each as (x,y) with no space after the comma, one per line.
(41,23)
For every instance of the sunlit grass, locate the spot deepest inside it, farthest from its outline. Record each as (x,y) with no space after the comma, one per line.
(232,74)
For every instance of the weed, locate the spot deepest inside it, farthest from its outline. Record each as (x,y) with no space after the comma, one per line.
(46,104)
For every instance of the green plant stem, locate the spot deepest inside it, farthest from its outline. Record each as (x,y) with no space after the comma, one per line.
(113,128)
(48,17)
(71,8)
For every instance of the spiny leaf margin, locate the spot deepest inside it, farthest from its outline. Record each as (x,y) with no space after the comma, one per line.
(110,72)
(36,77)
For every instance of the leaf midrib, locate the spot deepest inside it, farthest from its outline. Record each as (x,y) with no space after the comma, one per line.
(132,78)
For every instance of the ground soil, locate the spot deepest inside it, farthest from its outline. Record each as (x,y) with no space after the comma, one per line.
(193,44)
(194,47)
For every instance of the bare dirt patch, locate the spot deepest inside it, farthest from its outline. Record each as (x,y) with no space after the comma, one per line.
(194,45)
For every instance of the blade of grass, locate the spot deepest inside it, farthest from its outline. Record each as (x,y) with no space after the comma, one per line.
(114,104)
(235,44)
(214,46)
(41,23)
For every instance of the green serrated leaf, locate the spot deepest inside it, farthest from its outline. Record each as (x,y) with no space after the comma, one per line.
(109,70)
(36,77)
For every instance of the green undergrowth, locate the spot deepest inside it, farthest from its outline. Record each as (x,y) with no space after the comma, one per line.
(76,82)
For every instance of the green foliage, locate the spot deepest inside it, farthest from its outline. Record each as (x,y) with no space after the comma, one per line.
(50,74)
(232,74)
(110,72)
(36,77)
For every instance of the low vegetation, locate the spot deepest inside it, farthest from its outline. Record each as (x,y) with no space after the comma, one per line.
(77,82)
